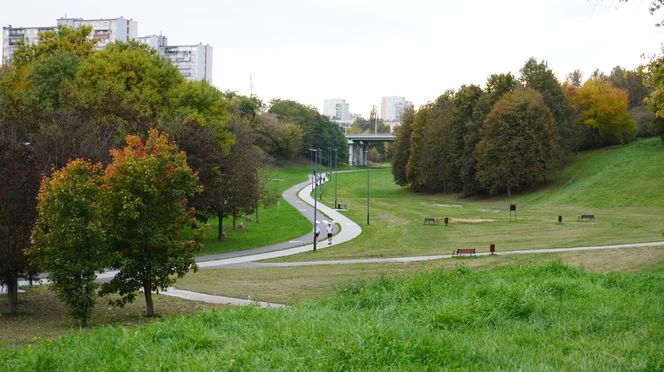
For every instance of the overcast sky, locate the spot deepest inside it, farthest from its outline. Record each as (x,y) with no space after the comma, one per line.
(361,50)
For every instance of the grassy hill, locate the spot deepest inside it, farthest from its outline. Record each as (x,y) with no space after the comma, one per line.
(621,176)
(549,317)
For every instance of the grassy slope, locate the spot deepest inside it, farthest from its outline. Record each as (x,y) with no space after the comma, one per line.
(549,317)
(591,184)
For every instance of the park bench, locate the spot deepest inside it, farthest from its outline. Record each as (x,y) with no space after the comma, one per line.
(460,251)
(464,251)
(586,217)
(431,220)
(341,206)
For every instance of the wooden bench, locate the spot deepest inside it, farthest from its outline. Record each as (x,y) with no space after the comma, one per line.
(341,206)
(586,217)
(431,220)
(463,251)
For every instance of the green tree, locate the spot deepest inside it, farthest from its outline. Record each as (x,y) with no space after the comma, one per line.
(519,143)
(538,76)
(68,236)
(402,147)
(603,110)
(469,113)
(18,190)
(144,199)
(653,73)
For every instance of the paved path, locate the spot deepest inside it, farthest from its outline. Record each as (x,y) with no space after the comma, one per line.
(439,257)
(195,296)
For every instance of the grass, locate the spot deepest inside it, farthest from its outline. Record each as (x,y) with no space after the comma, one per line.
(277,223)
(41,316)
(590,185)
(526,317)
(290,285)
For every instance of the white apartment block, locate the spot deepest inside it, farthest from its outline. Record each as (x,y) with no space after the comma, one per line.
(105,31)
(392,107)
(12,37)
(338,111)
(193,61)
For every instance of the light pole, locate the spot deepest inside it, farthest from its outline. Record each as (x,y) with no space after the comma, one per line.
(313,171)
(320,171)
(336,175)
(315,215)
(366,158)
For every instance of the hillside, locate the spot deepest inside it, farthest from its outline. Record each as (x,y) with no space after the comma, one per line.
(549,317)
(620,176)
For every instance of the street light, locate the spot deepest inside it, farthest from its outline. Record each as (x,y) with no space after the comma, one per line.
(313,172)
(336,175)
(366,159)
(320,171)
(315,214)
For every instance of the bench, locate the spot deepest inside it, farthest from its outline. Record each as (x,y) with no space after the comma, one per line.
(431,220)
(341,206)
(586,217)
(462,251)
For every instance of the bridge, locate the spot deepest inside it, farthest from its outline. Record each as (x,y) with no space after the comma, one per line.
(358,146)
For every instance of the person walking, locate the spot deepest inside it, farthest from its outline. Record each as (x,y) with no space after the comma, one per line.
(330,230)
(316,232)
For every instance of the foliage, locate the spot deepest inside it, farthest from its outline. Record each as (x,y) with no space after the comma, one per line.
(18,188)
(144,199)
(68,239)
(603,110)
(519,143)
(645,121)
(632,83)
(64,39)
(402,147)
(521,317)
(538,76)
(654,77)
(317,130)
(281,140)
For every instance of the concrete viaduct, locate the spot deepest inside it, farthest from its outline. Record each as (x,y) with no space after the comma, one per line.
(358,146)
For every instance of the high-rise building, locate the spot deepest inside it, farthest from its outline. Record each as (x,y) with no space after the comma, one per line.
(13,36)
(391,109)
(105,31)
(193,61)
(338,111)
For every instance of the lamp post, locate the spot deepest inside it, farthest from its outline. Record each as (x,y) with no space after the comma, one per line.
(320,171)
(366,158)
(313,171)
(315,216)
(336,175)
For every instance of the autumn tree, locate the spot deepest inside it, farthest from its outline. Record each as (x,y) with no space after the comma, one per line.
(603,111)
(519,143)
(68,239)
(18,190)
(654,79)
(144,200)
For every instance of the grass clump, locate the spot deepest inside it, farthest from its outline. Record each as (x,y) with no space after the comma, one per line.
(531,317)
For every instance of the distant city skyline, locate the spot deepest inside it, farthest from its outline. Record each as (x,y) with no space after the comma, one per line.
(361,51)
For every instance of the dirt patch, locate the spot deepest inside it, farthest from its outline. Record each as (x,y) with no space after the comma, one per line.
(472,220)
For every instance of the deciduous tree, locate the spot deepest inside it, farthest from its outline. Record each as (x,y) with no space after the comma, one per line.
(144,199)
(68,239)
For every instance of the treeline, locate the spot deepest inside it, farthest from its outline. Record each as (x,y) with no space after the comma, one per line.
(61,100)
(515,132)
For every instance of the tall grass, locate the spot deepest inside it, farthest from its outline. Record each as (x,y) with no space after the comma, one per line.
(548,317)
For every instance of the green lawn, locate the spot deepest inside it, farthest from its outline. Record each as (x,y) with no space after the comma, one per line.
(277,223)
(520,317)
(592,184)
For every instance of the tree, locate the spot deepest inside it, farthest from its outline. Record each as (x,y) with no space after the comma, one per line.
(68,239)
(519,143)
(402,147)
(20,181)
(469,113)
(538,76)
(603,110)
(654,79)
(144,199)
(632,83)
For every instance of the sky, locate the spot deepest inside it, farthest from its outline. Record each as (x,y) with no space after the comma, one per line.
(361,50)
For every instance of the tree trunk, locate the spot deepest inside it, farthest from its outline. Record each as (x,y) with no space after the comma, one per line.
(147,290)
(220,231)
(234,218)
(12,294)
(509,191)
(256,212)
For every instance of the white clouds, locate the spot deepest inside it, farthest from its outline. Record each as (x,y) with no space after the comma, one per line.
(310,50)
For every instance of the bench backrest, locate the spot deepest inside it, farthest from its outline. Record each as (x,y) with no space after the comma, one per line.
(466,250)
